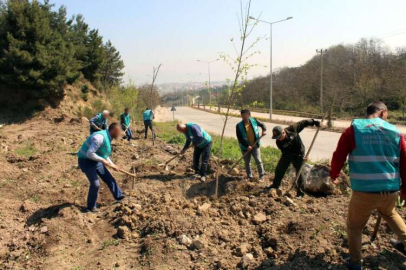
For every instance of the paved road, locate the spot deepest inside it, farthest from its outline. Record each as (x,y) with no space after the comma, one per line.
(288,118)
(323,148)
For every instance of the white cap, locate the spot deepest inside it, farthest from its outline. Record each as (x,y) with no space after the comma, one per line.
(106,112)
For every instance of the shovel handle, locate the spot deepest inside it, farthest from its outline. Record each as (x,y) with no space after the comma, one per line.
(122,171)
(246,153)
(179,155)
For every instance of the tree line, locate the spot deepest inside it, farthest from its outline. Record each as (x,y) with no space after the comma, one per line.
(353,76)
(41,50)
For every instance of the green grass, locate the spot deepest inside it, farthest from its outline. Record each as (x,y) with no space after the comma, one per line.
(26,150)
(231,150)
(111,242)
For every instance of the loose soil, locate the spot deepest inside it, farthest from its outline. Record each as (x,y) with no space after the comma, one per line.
(170,220)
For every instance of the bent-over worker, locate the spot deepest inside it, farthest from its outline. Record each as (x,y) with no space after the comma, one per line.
(99,122)
(293,151)
(94,157)
(202,143)
(247,134)
(377,160)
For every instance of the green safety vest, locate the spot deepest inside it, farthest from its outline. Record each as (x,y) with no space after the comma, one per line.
(254,125)
(100,121)
(147,115)
(189,135)
(374,163)
(125,120)
(105,149)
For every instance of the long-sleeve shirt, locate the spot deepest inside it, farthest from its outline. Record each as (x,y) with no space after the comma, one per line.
(96,127)
(96,142)
(197,137)
(346,145)
(292,145)
(240,137)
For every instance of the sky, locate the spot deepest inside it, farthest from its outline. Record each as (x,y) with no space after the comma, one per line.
(177,33)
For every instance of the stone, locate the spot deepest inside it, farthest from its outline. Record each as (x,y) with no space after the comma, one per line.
(123,232)
(24,169)
(289,202)
(270,252)
(275,193)
(44,229)
(204,207)
(184,240)
(317,180)
(85,120)
(243,249)
(127,210)
(135,206)
(259,218)
(198,244)
(135,156)
(246,260)
(235,172)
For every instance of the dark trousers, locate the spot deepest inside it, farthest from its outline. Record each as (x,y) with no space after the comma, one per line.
(92,170)
(282,167)
(148,124)
(204,154)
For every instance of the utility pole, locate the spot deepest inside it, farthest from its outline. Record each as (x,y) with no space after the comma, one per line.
(321,51)
(208,68)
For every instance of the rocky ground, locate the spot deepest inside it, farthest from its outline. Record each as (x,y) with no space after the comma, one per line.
(169,220)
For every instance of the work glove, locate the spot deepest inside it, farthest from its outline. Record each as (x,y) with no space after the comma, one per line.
(316,123)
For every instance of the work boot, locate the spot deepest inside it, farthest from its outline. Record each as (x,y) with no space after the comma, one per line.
(351,266)
(119,199)
(398,246)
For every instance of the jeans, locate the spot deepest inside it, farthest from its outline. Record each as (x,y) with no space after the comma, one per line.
(282,167)
(256,154)
(360,209)
(93,169)
(204,153)
(128,133)
(148,124)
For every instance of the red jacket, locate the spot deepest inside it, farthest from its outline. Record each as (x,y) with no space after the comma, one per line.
(345,146)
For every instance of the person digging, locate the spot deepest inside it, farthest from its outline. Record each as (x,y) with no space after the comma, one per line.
(148,116)
(125,121)
(94,158)
(293,150)
(202,147)
(377,161)
(99,122)
(247,134)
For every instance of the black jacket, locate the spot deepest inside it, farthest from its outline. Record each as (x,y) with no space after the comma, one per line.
(292,145)
(239,135)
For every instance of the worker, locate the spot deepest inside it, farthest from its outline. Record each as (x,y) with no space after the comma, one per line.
(94,158)
(377,161)
(99,122)
(148,117)
(202,144)
(247,134)
(293,150)
(125,121)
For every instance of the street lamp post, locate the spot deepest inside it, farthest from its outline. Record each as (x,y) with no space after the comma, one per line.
(270,60)
(208,68)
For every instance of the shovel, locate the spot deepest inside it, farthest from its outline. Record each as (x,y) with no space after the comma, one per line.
(167,162)
(306,156)
(246,153)
(122,171)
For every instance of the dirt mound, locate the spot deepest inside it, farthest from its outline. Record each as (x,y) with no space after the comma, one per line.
(170,220)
